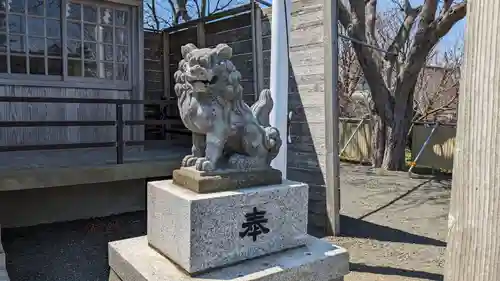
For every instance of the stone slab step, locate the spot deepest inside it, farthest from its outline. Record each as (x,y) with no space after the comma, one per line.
(133,260)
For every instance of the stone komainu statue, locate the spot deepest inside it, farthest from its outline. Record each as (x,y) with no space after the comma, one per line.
(227,133)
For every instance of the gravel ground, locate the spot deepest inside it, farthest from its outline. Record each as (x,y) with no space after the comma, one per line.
(394,228)
(72,251)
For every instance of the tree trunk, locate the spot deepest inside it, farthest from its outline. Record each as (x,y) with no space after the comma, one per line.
(378,140)
(473,250)
(397,132)
(395,145)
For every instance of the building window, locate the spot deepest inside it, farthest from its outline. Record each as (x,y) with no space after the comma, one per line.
(30,37)
(97,39)
(98,42)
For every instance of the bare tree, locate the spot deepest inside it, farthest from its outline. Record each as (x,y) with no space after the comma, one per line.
(437,88)
(159,14)
(350,77)
(392,76)
(152,18)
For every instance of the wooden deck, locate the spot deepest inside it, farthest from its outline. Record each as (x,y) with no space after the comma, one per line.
(39,169)
(83,157)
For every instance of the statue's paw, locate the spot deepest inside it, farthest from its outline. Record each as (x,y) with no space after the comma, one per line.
(189,161)
(203,164)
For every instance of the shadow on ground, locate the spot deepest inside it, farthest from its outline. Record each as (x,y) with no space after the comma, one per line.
(383,270)
(415,188)
(67,251)
(358,228)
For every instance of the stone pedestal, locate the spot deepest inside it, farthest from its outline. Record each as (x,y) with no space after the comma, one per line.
(253,233)
(203,231)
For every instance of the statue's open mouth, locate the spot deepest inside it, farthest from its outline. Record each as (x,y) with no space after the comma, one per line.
(206,82)
(200,85)
(214,79)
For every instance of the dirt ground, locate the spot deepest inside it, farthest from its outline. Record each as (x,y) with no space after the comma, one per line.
(394,228)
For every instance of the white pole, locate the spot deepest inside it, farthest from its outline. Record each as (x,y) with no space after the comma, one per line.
(280,33)
(332,116)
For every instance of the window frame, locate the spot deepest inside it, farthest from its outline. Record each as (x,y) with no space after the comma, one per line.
(64,80)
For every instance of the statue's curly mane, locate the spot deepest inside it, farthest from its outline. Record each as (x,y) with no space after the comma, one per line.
(181,88)
(225,68)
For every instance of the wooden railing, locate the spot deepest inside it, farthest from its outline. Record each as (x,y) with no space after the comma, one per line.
(119,123)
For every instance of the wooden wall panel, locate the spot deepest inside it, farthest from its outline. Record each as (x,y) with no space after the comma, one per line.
(59,112)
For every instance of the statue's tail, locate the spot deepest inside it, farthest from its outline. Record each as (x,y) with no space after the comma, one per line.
(272,142)
(261,109)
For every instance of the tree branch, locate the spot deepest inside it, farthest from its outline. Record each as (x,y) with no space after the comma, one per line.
(204,7)
(152,7)
(428,13)
(217,8)
(403,33)
(354,23)
(357,8)
(454,14)
(344,15)
(358,17)
(198,10)
(371,19)
(446,6)
(426,113)
(174,11)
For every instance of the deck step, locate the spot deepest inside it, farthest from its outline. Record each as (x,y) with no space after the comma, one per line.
(3,271)
(3,275)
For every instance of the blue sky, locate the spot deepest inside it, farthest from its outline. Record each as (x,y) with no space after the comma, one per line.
(454,36)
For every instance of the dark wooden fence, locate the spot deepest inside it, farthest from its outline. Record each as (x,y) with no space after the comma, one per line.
(240,28)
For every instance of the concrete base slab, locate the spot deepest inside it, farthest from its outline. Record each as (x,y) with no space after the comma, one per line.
(113,276)
(133,260)
(203,231)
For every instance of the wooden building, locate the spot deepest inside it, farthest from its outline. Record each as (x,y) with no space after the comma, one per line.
(70,49)
(72,111)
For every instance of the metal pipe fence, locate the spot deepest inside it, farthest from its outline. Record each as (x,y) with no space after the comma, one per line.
(119,123)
